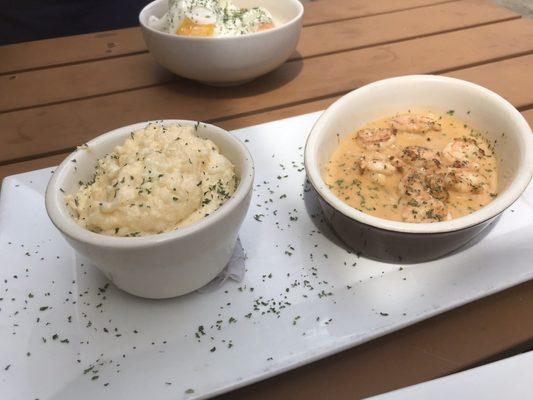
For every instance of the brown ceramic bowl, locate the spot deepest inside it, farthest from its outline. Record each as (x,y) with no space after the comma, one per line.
(394,241)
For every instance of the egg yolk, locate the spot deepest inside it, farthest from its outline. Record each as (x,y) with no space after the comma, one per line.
(191,28)
(265,26)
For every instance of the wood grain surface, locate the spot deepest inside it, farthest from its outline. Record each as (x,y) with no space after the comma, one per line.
(69,123)
(29,89)
(93,46)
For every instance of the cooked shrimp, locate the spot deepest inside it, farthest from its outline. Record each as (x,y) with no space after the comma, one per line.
(465,181)
(376,138)
(377,163)
(378,167)
(437,185)
(415,123)
(424,208)
(415,183)
(463,153)
(421,157)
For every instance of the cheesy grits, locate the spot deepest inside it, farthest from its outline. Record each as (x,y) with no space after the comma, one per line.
(160,179)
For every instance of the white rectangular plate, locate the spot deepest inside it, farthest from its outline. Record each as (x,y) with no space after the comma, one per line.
(505,379)
(303,297)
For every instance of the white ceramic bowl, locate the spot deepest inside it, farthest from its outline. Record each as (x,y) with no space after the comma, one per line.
(157,266)
(226,60)
(475,105)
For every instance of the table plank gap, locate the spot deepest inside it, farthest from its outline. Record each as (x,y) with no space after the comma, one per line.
(510,78)
(419,36)
(9,74)
(89,97)
(324,7)
(491,60)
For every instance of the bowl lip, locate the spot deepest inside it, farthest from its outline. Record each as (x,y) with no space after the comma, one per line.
(495,207)
(70,228)
(293,21)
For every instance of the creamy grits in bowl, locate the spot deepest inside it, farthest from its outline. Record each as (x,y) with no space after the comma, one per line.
(221,42)
(409,169)
(155,206)
(160,179)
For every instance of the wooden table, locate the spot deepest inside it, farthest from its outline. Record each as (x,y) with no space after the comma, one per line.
(58,93)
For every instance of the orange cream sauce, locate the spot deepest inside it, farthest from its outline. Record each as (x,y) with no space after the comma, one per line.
(414,167)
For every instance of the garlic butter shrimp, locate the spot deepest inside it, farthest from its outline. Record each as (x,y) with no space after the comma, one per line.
(463,153)
(376,138)
(423,208)
(412,183)
(421,157)
(377,163)
(378,166)
(437,185)
(415,123)
(465,181)
(416,182)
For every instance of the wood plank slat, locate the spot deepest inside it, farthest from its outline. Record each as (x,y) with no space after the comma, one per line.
(48,86)
(29,89)
(324,11)
(62,126)
(512,78)
(70,49)
(235,123)
(101,45)
(401,25)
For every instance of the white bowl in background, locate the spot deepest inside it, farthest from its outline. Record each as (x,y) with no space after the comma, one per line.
(225,61)
(477,106)
(157,266)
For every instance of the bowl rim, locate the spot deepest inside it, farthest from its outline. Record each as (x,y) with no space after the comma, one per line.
(68,226)
(270,31)
(504,199)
